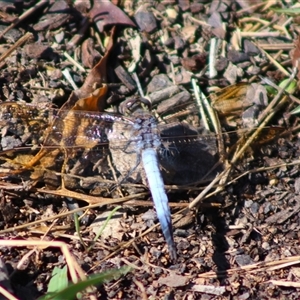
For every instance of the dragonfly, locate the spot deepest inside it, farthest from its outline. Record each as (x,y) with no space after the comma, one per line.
(140,147)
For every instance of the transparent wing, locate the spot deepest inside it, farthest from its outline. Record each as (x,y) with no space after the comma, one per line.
(185,154)
(33,125)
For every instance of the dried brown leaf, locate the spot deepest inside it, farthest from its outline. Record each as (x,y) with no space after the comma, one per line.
(295,55)
(105,13)
(94,102)
(87,98)
(231,101)
(94,80)
(89,54)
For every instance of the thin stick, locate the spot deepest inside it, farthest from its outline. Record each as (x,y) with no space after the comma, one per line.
(277,46)
(199,103)
(102,201)
(68,76)
(16,45)
(23,16)
(212,57)
(260,34)
(74,62)
(266,116)
(273,61)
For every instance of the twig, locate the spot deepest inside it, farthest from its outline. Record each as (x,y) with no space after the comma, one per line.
(16,45)
(7,294)
(260,34)
(101,202)
(265,68)
(254,19)
(84,25)
(74,267)
(23,16)
(281,46)
(69,78)
(273,61)
(212,57)
(137,81)
(251,8)
(199,103)
(110,164)
(265,117)
(74,62)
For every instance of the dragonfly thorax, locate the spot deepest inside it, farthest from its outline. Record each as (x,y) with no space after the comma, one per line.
(146,132)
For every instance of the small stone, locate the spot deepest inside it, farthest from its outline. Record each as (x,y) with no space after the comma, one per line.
(36,50)
(232,73)
(159,82)
(265,246)
(297,185)
(253,70)
(237,56)
(179,43)
(248,203)
(12,35)
(184,4)
(171,13)
(196,7)
(221,64)
(10,142)
(254,208)
(175,59)
(145,19)
(243,260)
(59,37)
(250,48)
(194,63)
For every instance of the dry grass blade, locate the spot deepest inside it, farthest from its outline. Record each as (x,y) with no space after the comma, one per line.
(74,268)
(257,267)
(99,201)
(19,43)
(268,114)
(23,16)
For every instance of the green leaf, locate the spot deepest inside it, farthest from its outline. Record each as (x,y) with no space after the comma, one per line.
(289,11)
(295,111)
(291,88)
(104,225)
(96,279)
(270,90)
(59,280)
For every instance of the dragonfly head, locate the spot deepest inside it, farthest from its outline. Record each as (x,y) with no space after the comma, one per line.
(129,106)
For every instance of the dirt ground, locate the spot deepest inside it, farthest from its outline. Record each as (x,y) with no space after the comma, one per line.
(225,72)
